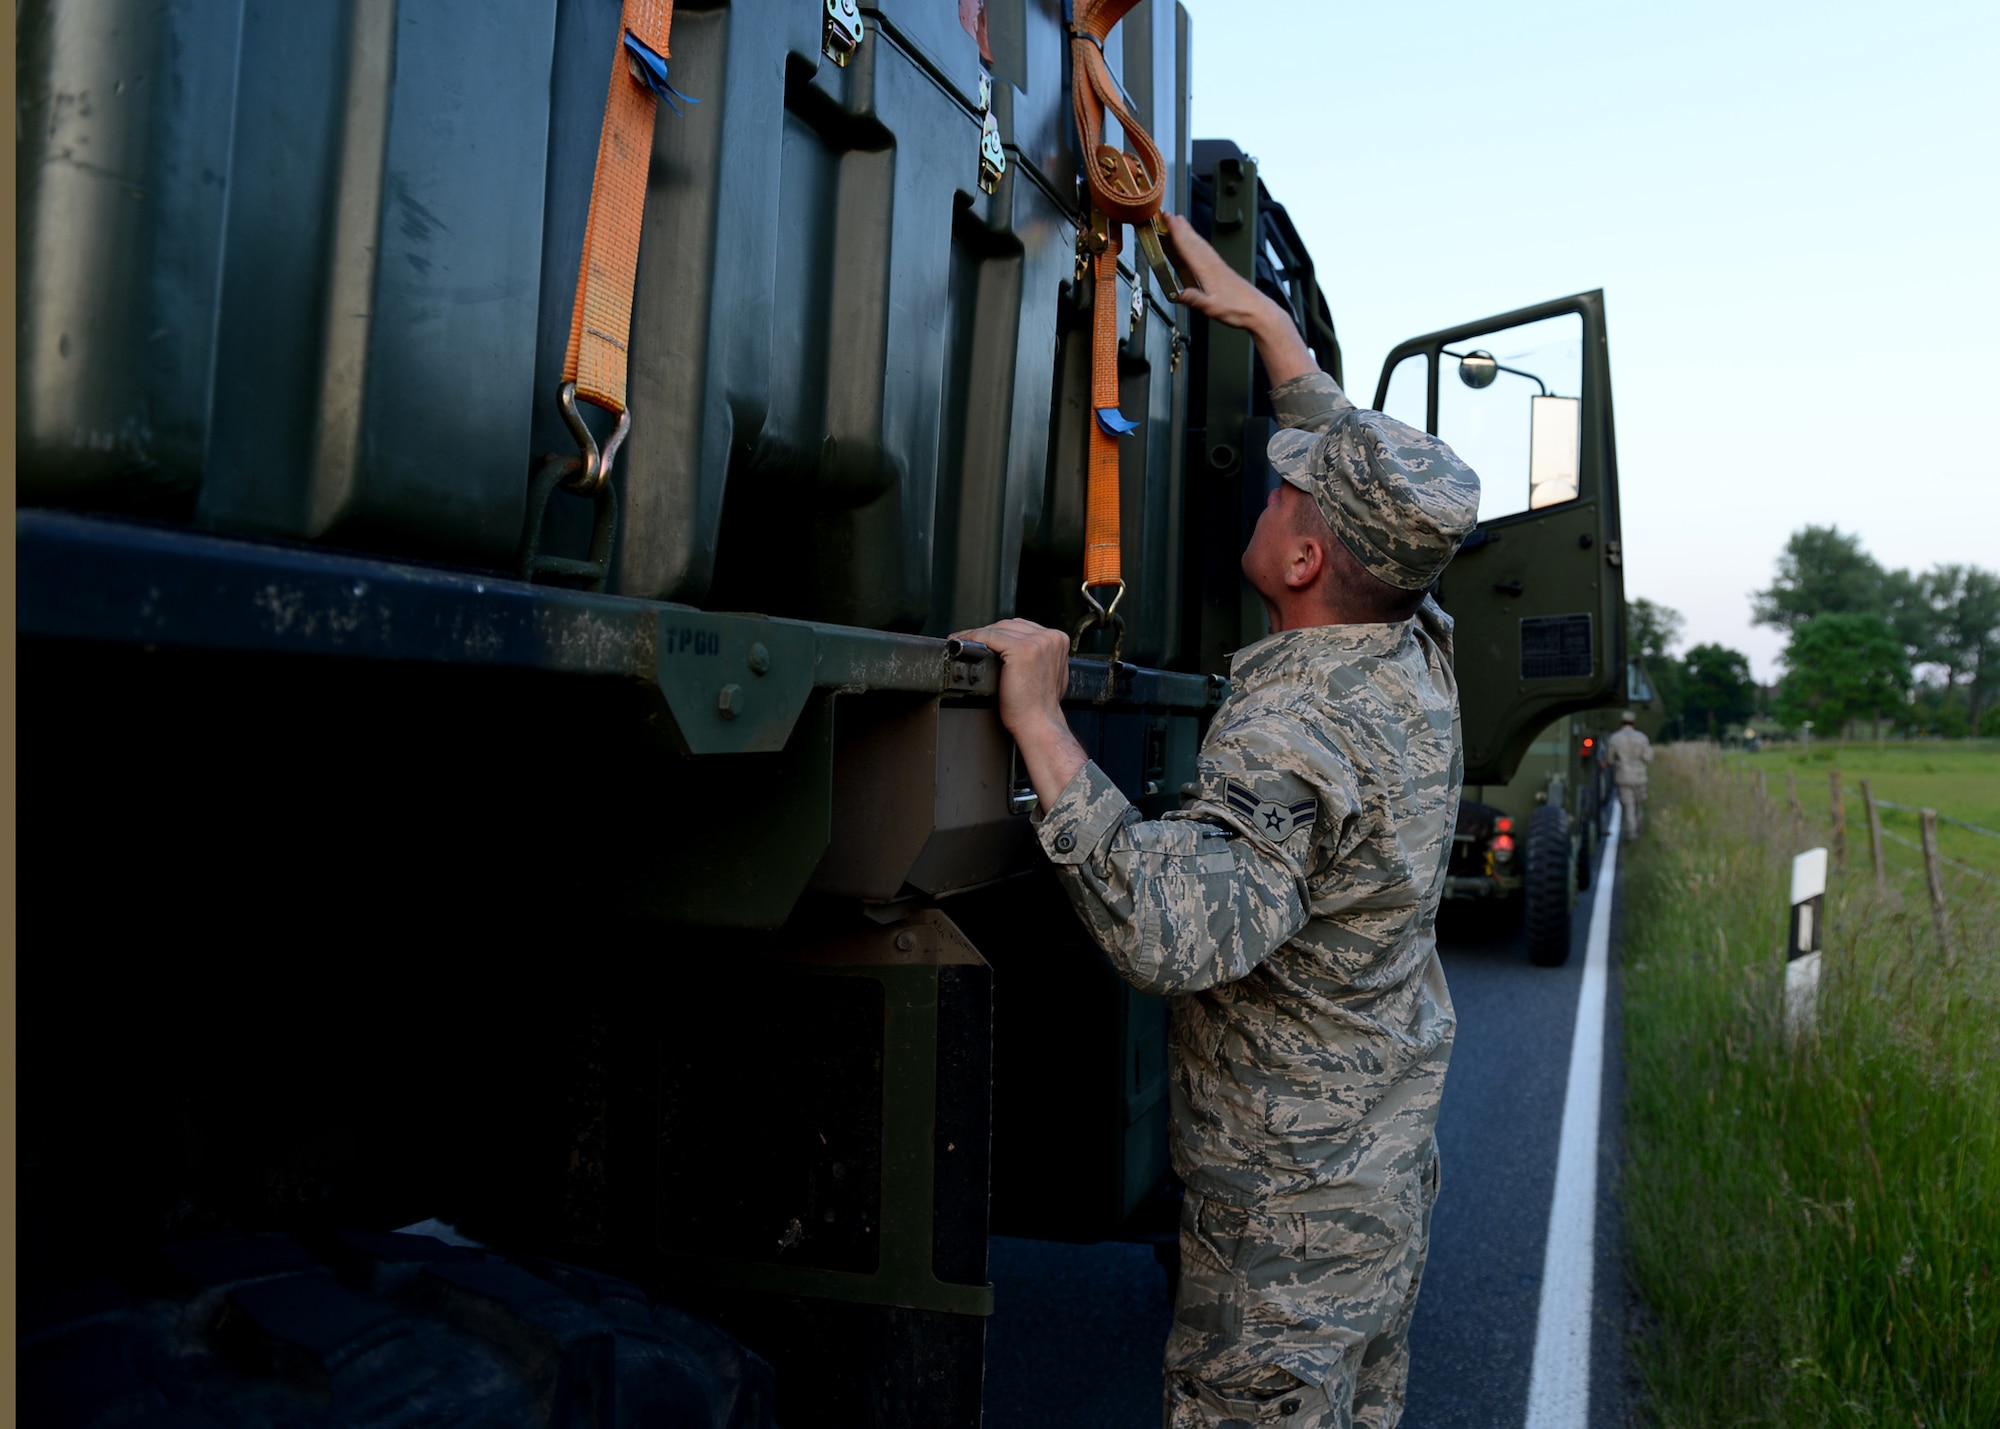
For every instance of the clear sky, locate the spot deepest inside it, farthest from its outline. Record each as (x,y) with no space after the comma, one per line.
(1793,210)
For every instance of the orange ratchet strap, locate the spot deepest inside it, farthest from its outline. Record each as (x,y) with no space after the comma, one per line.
(1096,91)
(1100,519)
(600,329)
(1124,188)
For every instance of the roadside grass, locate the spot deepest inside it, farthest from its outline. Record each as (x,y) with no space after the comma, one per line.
(1815,1229)
(1960,778)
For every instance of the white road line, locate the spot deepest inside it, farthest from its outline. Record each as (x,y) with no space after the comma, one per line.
(1559,1386)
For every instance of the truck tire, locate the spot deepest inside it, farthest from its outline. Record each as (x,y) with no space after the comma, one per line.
(378,1329)
(1548,893)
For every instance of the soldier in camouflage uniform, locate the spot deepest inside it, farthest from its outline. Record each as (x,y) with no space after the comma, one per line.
(1287,909)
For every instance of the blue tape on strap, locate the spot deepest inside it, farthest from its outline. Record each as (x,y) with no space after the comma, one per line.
(650,70)
(1114,423)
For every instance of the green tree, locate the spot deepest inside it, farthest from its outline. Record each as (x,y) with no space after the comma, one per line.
(1651,629)
(1907,606)
(1824,571)
(1821,571)
(1964,602)
(1841,667)
(1716,688)
(1651,632)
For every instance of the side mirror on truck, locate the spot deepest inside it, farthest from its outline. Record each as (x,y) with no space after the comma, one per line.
(1537,590)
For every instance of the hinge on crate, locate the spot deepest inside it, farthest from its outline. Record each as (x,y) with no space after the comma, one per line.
(844,31)
(1135,339)
(992,154)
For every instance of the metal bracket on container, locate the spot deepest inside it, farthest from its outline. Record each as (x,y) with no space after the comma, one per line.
(992,154)
(843,32)
(588,473)
(1021,796)
(591,572)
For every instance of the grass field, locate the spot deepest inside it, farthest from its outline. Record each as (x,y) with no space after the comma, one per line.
(1961,779)
(1814,1227)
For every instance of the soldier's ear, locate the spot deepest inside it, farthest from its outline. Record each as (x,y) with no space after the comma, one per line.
(1308,562)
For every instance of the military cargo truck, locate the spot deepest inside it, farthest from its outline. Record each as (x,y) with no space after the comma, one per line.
(1530,843)
(425,829)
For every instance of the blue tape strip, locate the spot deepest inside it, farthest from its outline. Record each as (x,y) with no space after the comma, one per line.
(1114,423)
(651,71)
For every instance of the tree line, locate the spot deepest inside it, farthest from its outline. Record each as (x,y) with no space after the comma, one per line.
(1890,649)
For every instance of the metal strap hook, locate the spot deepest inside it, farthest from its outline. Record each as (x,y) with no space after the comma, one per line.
(1101,614)
(596,468)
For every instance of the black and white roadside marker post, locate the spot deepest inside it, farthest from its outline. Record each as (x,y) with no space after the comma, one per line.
(1803,949)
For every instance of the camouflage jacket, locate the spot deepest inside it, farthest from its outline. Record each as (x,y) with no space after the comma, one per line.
(1288,910)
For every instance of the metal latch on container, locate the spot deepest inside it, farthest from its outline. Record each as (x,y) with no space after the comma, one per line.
(992,154)
(844,31)
(1092,238)
(1150,233)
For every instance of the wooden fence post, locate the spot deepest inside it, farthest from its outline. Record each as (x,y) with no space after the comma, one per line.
(1875,835)
(1934,871)
(1839,821)
(1792,797)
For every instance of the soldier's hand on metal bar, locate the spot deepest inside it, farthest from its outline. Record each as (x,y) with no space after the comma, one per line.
(1221,294)
(1034,677)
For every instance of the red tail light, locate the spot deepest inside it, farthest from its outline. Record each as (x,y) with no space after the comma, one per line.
(1589,745)
(1503,843)
(1505,826)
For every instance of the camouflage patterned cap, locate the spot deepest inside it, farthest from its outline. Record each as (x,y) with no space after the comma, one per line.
(1399,499)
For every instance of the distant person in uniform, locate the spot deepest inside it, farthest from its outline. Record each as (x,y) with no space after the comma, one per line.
(1288,909)
(1629,752)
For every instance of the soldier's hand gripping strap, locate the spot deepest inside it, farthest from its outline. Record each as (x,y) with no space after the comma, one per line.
(600,329)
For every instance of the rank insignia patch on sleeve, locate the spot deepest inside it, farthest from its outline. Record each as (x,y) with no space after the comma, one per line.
(1276,822)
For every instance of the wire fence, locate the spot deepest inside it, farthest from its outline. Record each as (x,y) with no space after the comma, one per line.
(1964,868)
(1941,818)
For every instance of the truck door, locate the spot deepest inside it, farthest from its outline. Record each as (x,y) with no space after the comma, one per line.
(1537,590)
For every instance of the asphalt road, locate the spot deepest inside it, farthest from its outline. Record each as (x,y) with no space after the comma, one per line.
(1076,1336)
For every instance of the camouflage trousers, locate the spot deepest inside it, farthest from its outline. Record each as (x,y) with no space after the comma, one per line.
(1295,1319)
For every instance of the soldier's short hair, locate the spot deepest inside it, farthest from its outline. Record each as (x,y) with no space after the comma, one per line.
(1350,584)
